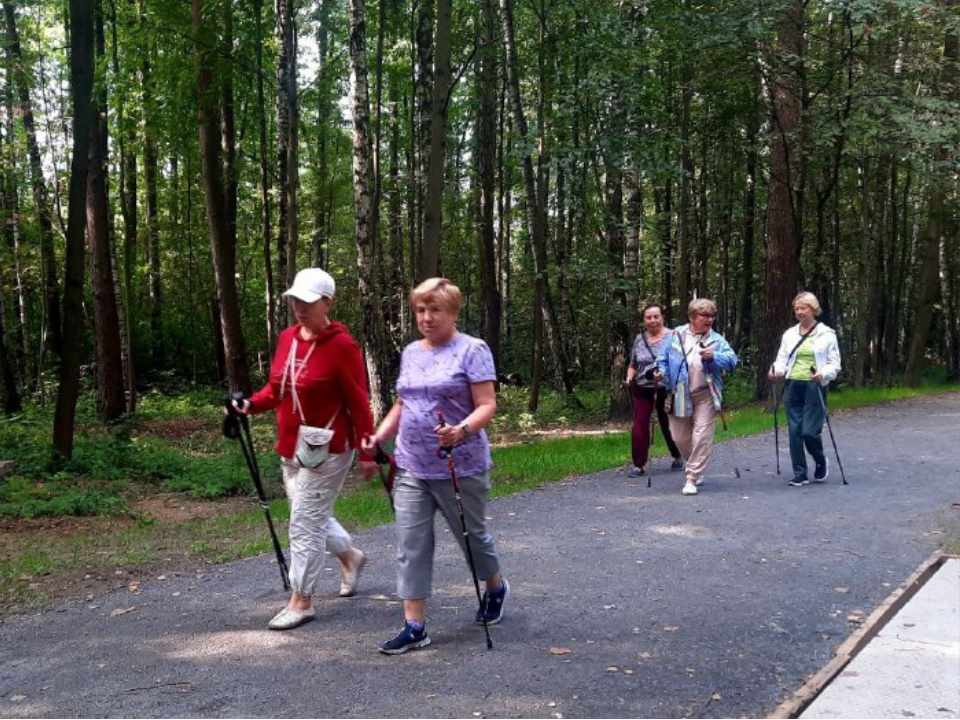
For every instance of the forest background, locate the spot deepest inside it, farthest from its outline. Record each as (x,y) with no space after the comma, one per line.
(167,166)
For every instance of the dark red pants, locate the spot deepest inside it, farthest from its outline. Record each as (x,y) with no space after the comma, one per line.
(644,401)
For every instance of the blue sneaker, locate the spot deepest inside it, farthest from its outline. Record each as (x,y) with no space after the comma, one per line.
(491,609)
(406,639)
(821,472)
(799,481)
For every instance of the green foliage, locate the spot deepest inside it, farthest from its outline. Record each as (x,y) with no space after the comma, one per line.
(174,444)
(60,496)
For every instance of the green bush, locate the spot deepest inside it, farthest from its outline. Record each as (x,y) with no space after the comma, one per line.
(22,497)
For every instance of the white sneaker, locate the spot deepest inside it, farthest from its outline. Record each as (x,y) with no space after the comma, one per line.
(288,618)
(689,489)
(699,482)
(350,573)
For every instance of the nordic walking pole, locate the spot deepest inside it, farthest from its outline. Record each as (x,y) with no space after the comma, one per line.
(776,426)
(447,454)
(237,427)
(383,458)
(653,436)
(823,404)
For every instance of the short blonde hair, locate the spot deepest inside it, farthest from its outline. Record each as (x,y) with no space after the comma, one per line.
(441,290)
(810,300)
(701,305)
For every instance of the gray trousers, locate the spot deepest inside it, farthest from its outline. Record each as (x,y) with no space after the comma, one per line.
(416,502)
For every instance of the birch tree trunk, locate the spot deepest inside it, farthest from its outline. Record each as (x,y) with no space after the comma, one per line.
(375,345)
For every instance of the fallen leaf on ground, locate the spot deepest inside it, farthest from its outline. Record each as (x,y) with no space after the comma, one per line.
(613,668)
(841,589)
(17,698)
(560,651)
(716,696)
(121,611)
(671,628)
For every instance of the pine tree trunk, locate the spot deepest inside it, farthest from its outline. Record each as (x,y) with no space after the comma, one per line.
(265,226)
(783,210)
(81,92)
(223,245)
(127,186)
(618,322)
(9,387)
(109,366)
(9,342)
(436,157)
(420,140)
(633,237)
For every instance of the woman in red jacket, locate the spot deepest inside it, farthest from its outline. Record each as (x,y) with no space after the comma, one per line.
(318,381)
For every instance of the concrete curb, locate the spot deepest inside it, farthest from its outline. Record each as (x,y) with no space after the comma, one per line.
(795,705)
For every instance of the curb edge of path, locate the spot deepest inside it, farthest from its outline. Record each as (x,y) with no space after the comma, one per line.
(848,650)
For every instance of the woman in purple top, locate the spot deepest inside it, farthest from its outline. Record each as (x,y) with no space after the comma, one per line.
(451,373)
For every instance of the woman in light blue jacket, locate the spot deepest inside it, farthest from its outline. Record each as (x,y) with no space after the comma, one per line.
(692,365)
(809,359)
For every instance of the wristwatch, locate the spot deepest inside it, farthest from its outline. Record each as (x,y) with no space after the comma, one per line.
(465,427)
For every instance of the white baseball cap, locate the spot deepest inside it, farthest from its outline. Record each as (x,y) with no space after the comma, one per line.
(312,284)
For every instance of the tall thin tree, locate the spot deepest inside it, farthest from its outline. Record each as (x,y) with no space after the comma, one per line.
(81,92)
(222,242)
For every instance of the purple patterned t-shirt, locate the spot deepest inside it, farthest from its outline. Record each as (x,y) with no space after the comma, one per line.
(439,379)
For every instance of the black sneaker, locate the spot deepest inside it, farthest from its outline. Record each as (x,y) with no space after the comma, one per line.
(677,464)
(491,608)
(798,482)
(406,639)
(821,472)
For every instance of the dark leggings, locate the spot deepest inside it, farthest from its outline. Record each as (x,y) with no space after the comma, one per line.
(644,400)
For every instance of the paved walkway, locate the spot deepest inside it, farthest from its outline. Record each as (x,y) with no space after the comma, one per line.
(911,668)
(628,601)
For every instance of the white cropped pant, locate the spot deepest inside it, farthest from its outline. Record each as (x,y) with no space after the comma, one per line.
(313,529)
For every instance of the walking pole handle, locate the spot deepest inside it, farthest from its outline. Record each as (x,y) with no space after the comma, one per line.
(443,452)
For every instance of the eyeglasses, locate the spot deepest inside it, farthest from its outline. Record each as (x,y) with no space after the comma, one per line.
(707,315)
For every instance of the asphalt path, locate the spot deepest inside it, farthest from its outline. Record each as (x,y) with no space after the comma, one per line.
(627,601)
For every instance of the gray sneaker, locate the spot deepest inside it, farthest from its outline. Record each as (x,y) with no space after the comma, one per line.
(635,472)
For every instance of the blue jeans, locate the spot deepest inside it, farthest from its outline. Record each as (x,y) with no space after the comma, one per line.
(805,418)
